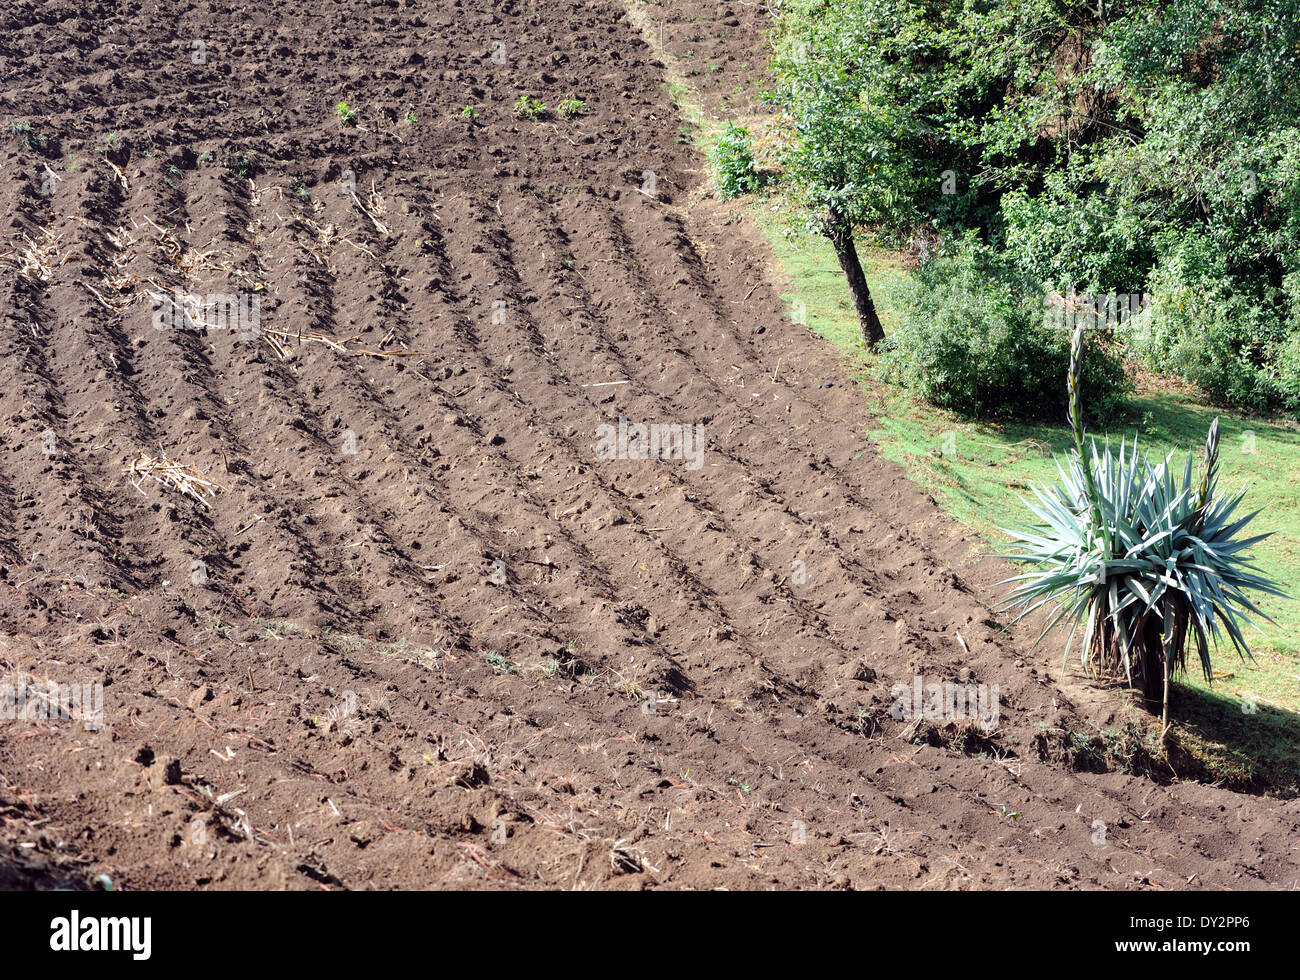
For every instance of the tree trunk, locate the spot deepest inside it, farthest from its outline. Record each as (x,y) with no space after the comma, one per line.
(1150,641)
(840,232)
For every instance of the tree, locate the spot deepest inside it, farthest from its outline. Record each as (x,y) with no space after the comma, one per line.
(860,85)
(1130,147)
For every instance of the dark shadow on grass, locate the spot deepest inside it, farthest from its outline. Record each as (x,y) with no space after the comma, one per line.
(1244,746)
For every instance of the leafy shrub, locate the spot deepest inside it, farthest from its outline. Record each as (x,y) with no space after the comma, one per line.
(1288,365)
(733,163)
(1219,332)
(569,108)
(973,338)
(1074,240)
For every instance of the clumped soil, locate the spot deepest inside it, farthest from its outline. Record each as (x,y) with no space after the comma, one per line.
(423,636)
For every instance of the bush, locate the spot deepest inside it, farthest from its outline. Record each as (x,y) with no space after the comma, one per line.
(1069,239)
(1288,363)
(733,163)
(973,338)
(1220,333)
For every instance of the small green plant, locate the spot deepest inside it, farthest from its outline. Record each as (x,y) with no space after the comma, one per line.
(240,166)
(571,107)
(733,163)
(527,107)
(469,112)
(1143,559)
(28,137)
(498,662)
(215,624)
(410,117)
(275,628)
(347,115)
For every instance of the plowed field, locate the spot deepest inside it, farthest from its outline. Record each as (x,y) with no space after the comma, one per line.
(422,631)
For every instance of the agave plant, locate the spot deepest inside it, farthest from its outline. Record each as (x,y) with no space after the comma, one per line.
(1144,559)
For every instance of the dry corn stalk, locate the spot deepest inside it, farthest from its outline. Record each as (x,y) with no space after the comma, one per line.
(121,174)
(377,208)
(187,260)
(40,259)
(277,339)
(174,474)
(323,247)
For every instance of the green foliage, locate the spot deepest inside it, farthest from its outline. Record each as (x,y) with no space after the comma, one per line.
(527,107)
(1288,368)
(240,165)
(569,108)
(1145,560)
(854,149)
(347,115)
(972,337)
(1066,239)
(733,163)
(1216,330)
(1136,146)
(28,136)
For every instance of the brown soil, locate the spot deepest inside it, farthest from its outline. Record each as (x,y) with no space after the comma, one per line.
(720,47)
(472,654)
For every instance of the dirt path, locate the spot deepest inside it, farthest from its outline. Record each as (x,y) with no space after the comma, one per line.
(426,635)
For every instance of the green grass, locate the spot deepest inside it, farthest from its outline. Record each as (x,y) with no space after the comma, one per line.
(977,471)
